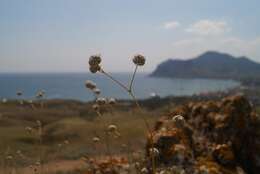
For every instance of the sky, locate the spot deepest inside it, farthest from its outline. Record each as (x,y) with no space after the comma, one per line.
(60,35)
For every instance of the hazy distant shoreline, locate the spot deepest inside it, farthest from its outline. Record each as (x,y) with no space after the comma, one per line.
(72,86)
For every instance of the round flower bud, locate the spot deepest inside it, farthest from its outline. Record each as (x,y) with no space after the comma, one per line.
(154,151)
(9,157)
(101,101)
(112,128)
(144,170)
(112,101)
(40,94)
(66,142)
(94,68)
(39,123)
(19,93)
(95,107)
(97,91)
(90,85)
(96,139)
(30,101)
(29,129)
(139,60)
(94,60)
(178,120)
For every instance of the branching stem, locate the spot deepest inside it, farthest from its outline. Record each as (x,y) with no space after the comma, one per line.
(113,79)
(131,94)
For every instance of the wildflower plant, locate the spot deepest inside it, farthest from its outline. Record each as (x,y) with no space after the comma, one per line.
(138,60)
(96,67)
(40,96)
(19,94)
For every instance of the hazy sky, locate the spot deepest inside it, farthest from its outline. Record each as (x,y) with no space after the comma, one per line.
(60,35)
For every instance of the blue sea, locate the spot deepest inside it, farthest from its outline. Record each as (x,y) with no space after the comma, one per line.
(72,86)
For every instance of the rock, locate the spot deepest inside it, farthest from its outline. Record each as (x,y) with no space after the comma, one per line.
(223,154)
(210,137)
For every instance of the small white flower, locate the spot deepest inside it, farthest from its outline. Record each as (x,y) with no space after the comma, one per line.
(112,101)
(40,94)
(66,142)
(96,139)
(144,170)
(112,128)
(29,129)
(178,120)
(154,151)
(101,101)
(95,107)
(37,163)
(39,123)
(9,157)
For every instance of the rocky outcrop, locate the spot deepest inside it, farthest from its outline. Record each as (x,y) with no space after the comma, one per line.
(209,138)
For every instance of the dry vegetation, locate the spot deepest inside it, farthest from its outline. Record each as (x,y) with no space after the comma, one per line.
(68,131)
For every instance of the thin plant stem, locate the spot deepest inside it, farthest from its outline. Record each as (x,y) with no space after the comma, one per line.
(108,146)
(132,79)
(141,110)
(148,127)
(113,79)
(129,91)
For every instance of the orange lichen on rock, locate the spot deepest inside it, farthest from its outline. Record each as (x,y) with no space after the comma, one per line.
(225,134)
(223,154)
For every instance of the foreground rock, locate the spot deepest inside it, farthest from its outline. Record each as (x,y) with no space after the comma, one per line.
(209,138)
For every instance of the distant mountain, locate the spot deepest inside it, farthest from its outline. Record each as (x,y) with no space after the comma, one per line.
(209,65)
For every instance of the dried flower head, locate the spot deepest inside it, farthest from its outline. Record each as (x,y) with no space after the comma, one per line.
(123,146)
(154,151)
(19,93)
(30,101)
(28,129)
(178,120)
(112,101)
(94,68)
(112,128)
(117,135)
(39,123)
(84,159)
(139,60)
(37,163)
(144,170)
(94,60)
(95,139)
(101,101)
(97,91)
(137,165)
(4,100)
(9,157)
(66,142)
(90,85)
(96,107)
(40,94)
